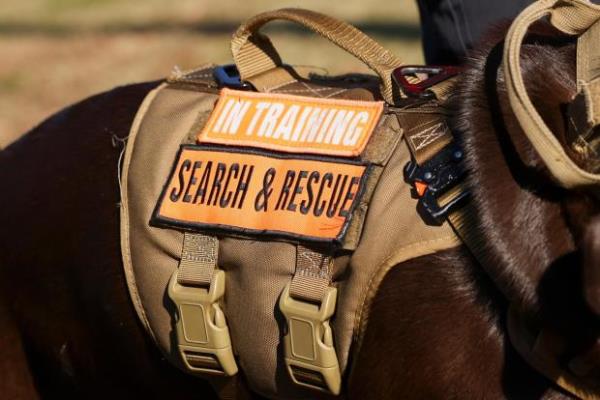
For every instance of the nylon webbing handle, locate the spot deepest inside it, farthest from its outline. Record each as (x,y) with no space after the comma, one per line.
(573,17)
(588,73)
(312,276)
(253,53)
(198,259)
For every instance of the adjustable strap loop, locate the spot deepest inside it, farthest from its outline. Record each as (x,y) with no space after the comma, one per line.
(313,275)
(198,259)
(254,53)
(202,334)
(308,303)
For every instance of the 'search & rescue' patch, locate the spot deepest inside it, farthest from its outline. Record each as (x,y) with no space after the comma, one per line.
(253,192)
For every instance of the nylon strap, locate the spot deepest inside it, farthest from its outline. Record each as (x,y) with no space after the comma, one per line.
(588,57)
(444,89)
(312,276)
(253,53)
(272,79)
(198,259)
(426,133)
(584,110)
(572,17)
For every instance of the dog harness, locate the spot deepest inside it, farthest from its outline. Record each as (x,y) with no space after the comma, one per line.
(260,211)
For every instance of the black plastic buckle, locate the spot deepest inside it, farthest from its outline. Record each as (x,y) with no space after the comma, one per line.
(229,76)
(434,178)
(435,74)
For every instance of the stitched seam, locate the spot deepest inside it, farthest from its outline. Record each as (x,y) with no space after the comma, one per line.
(337,93)
(125,222)
(312,90)
(427,136)
(304,90)
(274,88)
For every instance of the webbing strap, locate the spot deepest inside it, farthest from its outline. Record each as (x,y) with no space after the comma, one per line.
(272,79)
(254,53)
(426,134)
(584,110)
(308,302)
(573,17)
(198,259)
(444,89)
(588,56)
(312,276)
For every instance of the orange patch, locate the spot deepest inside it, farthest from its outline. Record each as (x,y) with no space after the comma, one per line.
(294,124)
(250,192)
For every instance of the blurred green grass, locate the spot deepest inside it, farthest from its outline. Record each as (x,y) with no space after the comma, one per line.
(56,52)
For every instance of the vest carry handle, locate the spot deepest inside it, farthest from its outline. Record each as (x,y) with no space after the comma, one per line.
(254,54)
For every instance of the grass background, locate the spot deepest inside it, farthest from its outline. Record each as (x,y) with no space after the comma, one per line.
(56,52)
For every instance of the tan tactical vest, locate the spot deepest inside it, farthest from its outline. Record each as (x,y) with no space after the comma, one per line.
(265,263)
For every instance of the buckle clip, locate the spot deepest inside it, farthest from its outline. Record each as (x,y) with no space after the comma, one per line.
(201,330)
(310,356)
(229,76)
(433,179)
(435,75)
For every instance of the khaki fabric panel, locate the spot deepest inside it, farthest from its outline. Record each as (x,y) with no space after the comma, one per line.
(304,88)
(257,273)
(201,76)
(155,252)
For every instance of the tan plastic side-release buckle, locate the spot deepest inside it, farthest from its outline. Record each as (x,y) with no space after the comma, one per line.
(308,343)
(202,332)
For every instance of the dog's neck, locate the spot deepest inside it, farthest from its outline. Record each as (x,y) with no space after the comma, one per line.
(520,211)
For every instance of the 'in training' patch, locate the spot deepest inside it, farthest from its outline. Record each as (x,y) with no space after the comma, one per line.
(293,124)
